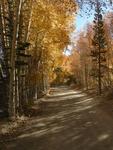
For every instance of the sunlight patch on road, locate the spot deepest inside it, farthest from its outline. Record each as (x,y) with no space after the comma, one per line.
(76,137)
(84,101)
(66,93)
(42,132)
(39,133)
(83,108)
(64,97)
(103,137)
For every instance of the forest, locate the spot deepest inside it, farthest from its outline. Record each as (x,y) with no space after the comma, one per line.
(31,48)
(45,49)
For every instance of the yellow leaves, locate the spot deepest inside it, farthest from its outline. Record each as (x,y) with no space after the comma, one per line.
(65,5)
(51,25)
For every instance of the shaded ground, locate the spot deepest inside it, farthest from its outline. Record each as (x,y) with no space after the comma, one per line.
(71,120)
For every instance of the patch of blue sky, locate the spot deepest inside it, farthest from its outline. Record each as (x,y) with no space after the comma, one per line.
(84,16)
(82,21)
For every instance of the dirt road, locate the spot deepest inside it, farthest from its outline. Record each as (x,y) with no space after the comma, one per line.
(71,120)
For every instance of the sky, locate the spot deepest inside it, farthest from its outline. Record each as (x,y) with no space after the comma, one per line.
(82,21)
(83,17)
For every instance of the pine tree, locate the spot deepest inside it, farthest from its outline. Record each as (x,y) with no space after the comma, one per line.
(99,44)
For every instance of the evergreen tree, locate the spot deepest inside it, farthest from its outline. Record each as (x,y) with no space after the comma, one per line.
(99,44)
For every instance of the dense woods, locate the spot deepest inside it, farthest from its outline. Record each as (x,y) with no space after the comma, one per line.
(34,36)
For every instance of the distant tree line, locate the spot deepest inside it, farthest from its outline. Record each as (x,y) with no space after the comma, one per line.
(94,52)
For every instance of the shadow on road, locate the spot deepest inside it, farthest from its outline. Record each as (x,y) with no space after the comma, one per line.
(71,120)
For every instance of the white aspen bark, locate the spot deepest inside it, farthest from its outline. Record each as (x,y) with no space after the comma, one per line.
(13,58)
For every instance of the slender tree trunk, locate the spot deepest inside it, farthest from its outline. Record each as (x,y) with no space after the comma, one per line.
(99,73)
(86,77)
(13,58)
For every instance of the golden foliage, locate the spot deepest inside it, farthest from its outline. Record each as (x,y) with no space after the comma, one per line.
(51,25)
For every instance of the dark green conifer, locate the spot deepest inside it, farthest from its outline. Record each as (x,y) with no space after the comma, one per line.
(99,44)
